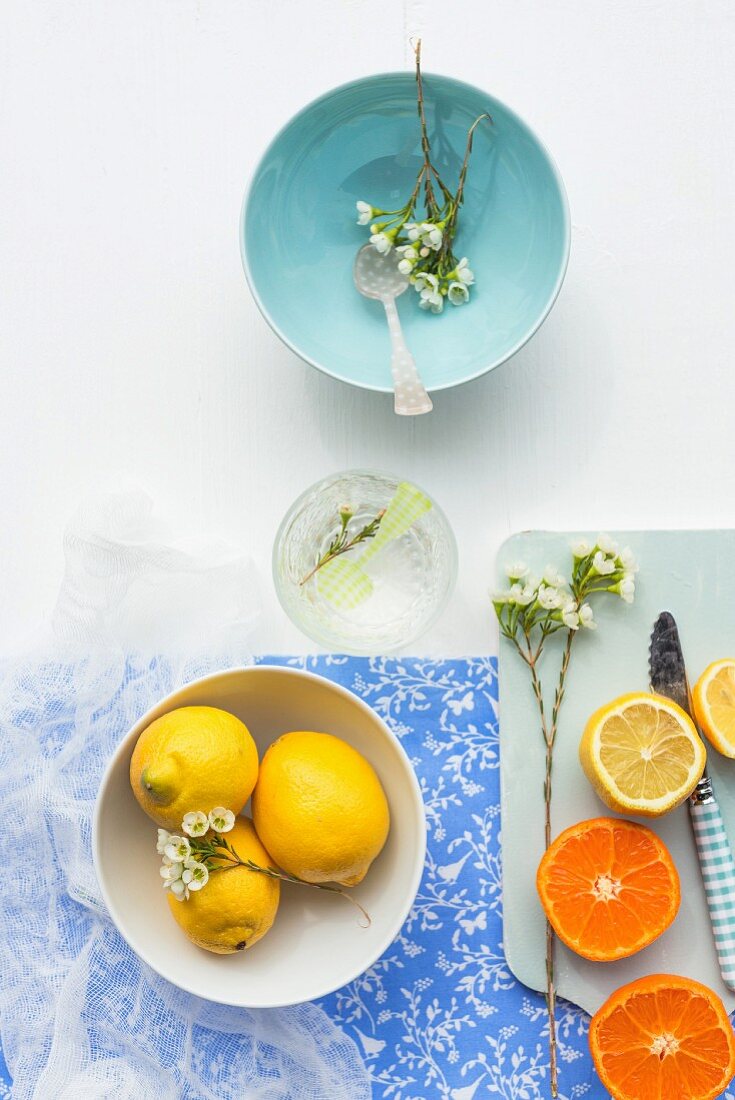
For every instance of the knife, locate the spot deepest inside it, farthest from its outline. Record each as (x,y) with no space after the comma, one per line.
(669,678)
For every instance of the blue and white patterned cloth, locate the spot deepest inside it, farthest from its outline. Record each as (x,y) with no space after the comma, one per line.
(440,1015)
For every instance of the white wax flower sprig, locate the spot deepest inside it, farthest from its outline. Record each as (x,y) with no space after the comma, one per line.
(553,602)
(424,245)
(189,861)
(529,611)
(181,871)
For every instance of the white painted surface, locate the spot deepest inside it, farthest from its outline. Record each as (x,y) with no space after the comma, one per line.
(132,353)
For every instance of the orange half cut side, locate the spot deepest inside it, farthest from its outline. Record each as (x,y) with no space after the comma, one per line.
(608,887)
(663,1037)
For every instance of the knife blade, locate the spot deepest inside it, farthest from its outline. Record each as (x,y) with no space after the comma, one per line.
(666,662)
(668,677)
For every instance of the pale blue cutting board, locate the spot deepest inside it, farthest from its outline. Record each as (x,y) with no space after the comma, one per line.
(691,574)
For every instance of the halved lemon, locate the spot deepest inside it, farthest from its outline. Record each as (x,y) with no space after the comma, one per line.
(713,699)
(642,754)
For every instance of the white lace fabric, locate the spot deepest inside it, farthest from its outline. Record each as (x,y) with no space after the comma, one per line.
(81,1017)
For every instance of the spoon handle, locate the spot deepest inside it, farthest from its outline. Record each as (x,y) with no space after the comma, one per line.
(411,398)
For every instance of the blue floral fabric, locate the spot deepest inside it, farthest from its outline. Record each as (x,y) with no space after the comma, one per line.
(440,1015)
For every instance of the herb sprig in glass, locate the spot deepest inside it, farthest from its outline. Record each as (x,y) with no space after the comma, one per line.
(344,541)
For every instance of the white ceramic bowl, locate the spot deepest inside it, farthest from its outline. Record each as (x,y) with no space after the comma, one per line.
(316,944)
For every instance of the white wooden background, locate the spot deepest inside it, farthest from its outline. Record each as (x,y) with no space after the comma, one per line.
(132,353)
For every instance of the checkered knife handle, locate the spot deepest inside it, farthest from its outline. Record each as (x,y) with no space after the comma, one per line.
(718,872)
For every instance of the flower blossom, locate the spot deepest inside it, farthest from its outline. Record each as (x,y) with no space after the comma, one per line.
(221,819)
(520,595)
(580,549)
(180,890)
(463,272)
(607,545)
(626,588)
(431,235)
(171,872)
(195,875)
(409,256)
(428,288)
(365,212)
(549,598)
(553,577)
(627,560)
(381,242)
(570,616)
(195,823)
(586,618)
(177,848)
(458,293)
(604,566)
(523,595)
(433,301)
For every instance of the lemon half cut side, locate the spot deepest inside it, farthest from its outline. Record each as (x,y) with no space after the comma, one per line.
(713,699)
(642,754)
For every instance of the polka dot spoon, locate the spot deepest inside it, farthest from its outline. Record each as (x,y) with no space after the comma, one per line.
(377,276)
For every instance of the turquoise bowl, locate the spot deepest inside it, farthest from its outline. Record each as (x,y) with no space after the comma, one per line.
(299,237)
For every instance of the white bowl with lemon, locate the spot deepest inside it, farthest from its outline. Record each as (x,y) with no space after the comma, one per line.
(335,804)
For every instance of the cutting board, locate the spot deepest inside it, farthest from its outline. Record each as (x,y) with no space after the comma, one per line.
(691,574)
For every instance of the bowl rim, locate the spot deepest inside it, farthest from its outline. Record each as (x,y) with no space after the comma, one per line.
(370,79)
(393,927)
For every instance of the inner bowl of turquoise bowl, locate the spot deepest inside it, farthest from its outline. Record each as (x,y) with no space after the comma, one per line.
(299,237)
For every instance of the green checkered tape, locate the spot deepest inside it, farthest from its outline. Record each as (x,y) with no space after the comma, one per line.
(718,873)
(343,581)
(406,506)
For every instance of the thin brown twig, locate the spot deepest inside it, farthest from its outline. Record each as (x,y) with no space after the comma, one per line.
(518,625)
(231,856)
(459,197)
(548,731)
(431,203)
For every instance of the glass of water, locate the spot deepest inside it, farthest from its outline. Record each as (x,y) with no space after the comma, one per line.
(389,586)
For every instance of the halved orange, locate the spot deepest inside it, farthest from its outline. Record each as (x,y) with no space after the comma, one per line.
(608,887)
(663,1038)
(713,699)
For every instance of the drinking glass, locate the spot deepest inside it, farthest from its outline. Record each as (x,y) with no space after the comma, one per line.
(403,583)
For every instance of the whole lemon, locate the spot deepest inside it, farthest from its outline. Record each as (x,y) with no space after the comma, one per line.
(236,907)
(193,758)
(319,808)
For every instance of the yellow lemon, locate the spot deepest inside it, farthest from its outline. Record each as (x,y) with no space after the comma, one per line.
(642,754)
(713,699)
(193,758)
(319,808)
(236,907)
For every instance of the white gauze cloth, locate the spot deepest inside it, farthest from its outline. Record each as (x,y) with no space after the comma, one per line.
(81,1017)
